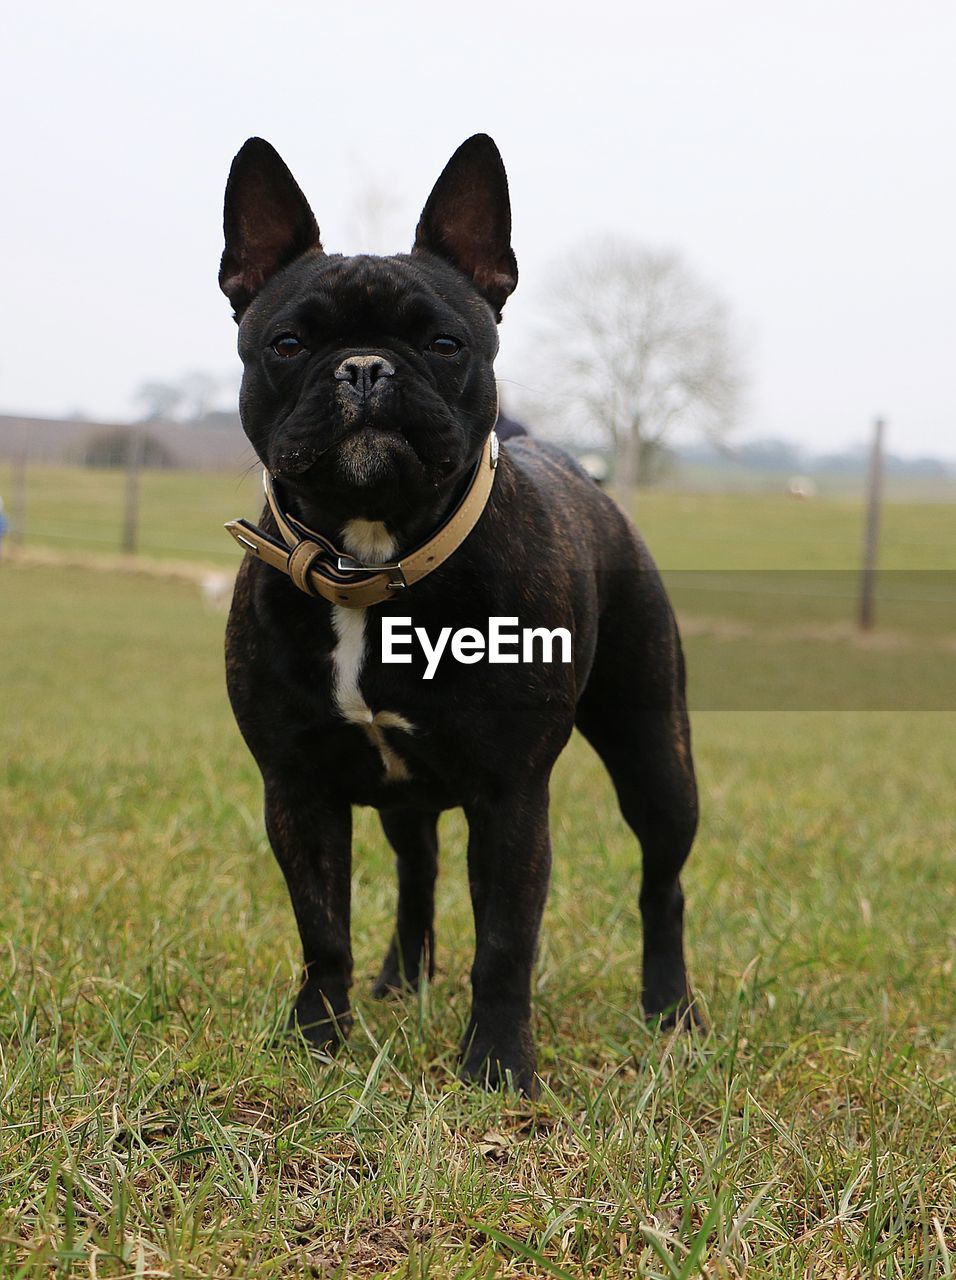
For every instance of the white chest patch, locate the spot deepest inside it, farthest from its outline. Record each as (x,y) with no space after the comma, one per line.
(366,540)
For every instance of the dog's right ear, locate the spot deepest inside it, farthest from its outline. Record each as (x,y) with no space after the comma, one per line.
(267,221)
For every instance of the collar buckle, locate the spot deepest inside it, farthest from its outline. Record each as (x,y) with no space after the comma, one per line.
(349,564)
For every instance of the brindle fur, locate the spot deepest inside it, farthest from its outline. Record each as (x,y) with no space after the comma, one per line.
(550,549)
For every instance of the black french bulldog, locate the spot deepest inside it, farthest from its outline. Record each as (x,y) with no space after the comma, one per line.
(369,395)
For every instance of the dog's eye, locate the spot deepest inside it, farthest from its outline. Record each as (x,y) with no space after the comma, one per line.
(287,345)
(444,346)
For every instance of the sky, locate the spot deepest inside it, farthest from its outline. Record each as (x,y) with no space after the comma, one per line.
(799,156)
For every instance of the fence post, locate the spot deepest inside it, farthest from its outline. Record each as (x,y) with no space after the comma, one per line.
(135,443)
(871,534)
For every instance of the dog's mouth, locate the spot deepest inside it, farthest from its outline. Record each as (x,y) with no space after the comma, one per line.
(359,455)
(370,455)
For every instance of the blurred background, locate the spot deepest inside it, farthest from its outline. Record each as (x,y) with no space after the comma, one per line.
(734,228)
(795,163)
(734,233)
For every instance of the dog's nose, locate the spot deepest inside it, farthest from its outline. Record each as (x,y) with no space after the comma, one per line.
(362,372)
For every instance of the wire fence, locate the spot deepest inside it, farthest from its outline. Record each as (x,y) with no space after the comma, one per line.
(766,590)
(719,553)
(159,514)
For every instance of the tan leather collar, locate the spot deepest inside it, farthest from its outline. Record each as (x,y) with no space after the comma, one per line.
(318,568)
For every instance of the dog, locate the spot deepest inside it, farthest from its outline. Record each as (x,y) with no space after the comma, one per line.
(369,395)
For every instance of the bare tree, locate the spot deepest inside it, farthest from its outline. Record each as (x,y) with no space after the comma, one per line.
(159,399)
(638,349)
(198,388)
(187,398)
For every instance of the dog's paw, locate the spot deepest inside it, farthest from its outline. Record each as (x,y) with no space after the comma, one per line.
(682,1016)
(393,980)
(323,1028)
(500,1062)
(391,983)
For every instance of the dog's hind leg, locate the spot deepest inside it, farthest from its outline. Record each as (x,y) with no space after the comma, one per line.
(633,712)
(413,834)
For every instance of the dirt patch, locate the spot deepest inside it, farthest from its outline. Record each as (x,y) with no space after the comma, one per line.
(717,628)
(179,570)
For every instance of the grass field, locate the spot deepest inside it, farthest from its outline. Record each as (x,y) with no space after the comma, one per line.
(150,1126)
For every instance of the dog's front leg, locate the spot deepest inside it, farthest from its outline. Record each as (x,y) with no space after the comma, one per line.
(509,863)
(312,840)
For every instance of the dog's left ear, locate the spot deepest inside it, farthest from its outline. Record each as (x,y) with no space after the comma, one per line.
(467,220)
(267,222)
